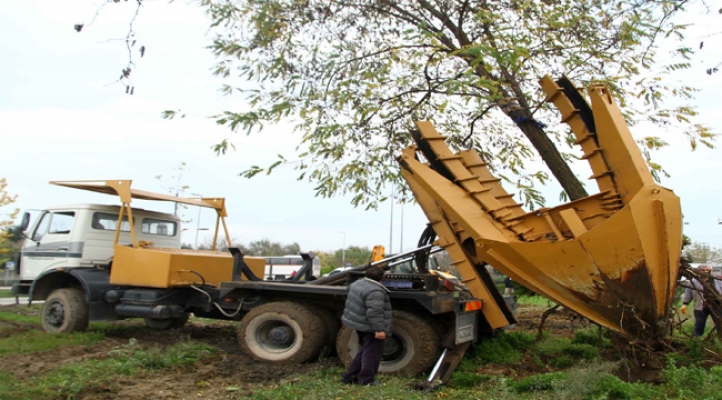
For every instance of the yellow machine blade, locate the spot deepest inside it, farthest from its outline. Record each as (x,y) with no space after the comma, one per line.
(612,257)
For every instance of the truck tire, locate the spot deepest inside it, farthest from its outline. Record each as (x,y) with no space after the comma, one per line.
(332,324)
(282,332)
(414,346)
(168,323)
(65,310)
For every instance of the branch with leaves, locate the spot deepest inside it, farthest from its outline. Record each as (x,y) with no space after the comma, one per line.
(355,74)
(130,40)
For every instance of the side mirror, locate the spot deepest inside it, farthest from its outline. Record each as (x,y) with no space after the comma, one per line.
(25,222)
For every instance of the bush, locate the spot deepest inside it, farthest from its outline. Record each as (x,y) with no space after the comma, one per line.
(691,382)
(502,349)
(468,379)
(536,383)
(591,337)
(583,351)
(562,362)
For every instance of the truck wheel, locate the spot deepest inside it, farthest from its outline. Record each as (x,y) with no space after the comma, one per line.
(332,324)
(65,310)
(414,346)
(283,332)
(168,323)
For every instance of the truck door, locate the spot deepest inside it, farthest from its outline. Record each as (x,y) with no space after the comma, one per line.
(50,245)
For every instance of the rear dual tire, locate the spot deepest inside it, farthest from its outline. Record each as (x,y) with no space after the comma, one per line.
(282,332)
(413,348)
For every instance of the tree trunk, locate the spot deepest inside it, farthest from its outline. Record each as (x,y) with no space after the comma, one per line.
(549,153)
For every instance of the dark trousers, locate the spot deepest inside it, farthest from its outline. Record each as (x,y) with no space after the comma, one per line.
(365,365)
(700,319)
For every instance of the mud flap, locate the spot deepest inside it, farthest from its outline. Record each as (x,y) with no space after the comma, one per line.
(455,345)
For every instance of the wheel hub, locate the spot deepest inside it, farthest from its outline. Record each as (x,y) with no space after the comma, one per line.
(280,335)
(55,314)
(393,348)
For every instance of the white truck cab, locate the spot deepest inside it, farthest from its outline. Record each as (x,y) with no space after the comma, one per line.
(82,235)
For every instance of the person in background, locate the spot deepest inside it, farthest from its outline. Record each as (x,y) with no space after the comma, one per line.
(703,308)
(508,286)
(368,312)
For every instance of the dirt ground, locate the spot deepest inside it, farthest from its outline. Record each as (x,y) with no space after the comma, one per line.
(229,373)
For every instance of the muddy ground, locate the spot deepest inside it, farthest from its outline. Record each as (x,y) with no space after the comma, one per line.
(229,373)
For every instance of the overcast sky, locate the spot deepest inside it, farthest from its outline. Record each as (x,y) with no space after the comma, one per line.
(62,118)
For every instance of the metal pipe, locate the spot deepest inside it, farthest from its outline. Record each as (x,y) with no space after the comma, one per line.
(433,251)
(395,256)
(331,279)
(437,366)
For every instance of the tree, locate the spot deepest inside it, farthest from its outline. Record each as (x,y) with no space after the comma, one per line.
(354,255)
(221,243)
(357,72)
(176,188)
(699,252)
(6,223)
(265,247)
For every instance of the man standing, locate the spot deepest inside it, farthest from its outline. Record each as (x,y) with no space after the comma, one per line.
(508,286)
(368,312)
(702,307)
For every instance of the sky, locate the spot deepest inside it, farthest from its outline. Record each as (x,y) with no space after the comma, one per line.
(62,117)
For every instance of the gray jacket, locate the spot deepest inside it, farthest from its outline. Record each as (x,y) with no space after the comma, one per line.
(693,291)
(368,307)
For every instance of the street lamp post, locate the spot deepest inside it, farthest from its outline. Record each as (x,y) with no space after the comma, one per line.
(198,223)
(343,250)
(401,244)
(391,222)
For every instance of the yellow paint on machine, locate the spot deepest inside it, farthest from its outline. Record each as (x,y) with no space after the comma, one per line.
(167,268)
(147,266)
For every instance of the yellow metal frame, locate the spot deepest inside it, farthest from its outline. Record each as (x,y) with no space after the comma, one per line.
(122,189)
(143,266)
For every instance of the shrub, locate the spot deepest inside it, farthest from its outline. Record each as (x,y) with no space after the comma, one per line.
(536,383)
(591,337)
(503,348)
(468,379)
(561,362)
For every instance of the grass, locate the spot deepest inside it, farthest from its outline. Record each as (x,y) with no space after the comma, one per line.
(586,380)
(129,360)
(5,294)
(535,301)
(14,317)
(510,365)
(33,341)
(591,380)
